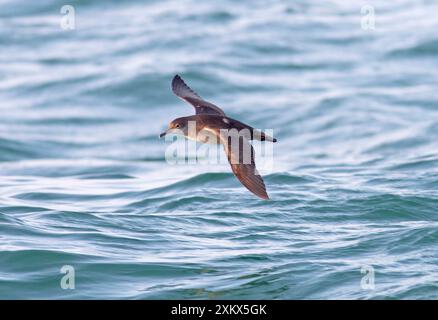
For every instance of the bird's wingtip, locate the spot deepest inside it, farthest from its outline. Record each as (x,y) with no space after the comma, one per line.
(177,81)
(264,196)
(175,78)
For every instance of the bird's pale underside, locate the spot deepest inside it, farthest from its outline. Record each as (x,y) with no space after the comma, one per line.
(232,134)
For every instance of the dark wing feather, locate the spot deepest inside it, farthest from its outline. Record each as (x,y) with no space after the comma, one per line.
(182,90)
(240,155)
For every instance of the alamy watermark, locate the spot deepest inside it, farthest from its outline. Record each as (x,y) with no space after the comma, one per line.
(68,280)
(368,280)
(68,18)
(368,20)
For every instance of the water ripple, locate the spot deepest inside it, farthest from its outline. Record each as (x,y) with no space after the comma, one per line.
(84,180)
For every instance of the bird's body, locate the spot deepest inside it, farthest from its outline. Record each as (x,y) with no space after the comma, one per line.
(211,125)
(205,124)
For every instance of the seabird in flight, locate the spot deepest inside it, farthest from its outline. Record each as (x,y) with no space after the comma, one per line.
(211,125)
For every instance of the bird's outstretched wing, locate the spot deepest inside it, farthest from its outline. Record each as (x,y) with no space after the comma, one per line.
(240,155)
(182,90)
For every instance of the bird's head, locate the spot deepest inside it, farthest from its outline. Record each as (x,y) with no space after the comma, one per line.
(176,127)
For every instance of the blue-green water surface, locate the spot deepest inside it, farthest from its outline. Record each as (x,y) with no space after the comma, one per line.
(83,176)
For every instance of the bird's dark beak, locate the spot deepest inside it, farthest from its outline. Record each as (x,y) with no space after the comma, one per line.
(163,134)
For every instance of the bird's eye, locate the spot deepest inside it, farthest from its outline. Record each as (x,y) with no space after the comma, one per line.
(177,126)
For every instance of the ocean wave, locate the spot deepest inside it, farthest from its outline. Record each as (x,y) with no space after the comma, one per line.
(83,175)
